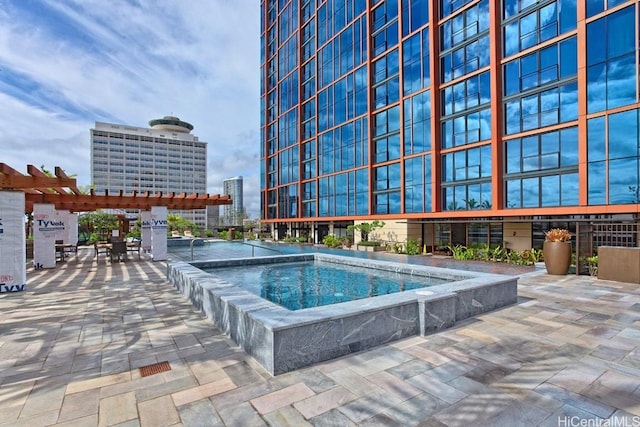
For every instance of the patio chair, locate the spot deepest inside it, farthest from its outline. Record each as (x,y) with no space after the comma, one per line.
(134,246)
(59,250)
(100,248)
(119,250)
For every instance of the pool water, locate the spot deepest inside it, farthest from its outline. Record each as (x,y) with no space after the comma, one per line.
(300,285)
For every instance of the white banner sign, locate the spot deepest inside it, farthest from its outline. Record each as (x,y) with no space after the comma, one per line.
(159,228)
(72,228)
(46,225)
(13,259)
(145,226)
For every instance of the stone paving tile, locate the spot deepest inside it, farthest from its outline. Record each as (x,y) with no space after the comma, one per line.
(286,416)
(203,391)
(394,385)
(474,409)
(168,387)
(242,374)
(158,412)
(200,414)
(576,379)
(43,401)
(241,415)
(117,409)
(579,401)
(416,409)
(87,329)
(323,402)
(357,384)
(526,415)
(79,405)
(437,388)
(368,406)
(410,369)
(240,395)
(43,419)
(332,418)
(90,420)
(278,399)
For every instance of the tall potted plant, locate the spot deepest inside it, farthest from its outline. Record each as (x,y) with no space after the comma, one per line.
(557,251)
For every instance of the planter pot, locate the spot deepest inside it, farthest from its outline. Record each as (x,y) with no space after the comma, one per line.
(371,248)
(557,257)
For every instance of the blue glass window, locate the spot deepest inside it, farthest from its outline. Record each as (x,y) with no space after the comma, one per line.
(415,14)
(611,72)
(417,182)
(387,189)
(465,25)
(467,129)
(546,108)
(415,62)
(386,80)
(539,25)
(542,170)
(465,59)
(624,155)
(541,67)
(472,92)
(447,7)
(417,123)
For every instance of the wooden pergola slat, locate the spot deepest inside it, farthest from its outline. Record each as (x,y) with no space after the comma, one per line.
(40,188)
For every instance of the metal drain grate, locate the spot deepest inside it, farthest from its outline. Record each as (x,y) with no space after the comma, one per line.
(156,368)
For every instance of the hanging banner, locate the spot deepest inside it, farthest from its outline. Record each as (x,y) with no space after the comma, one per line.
(72,228)
(13,258)
(159,228)
(145,226)
(46,225)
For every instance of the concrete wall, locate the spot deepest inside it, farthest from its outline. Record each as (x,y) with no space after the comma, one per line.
(517,235)
(392,232)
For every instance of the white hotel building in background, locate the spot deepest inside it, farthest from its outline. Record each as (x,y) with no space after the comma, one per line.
(163,158)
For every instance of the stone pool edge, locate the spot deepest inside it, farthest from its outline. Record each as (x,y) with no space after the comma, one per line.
(282,340)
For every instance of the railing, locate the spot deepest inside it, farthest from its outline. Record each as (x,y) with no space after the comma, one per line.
(259,247)
(193,239)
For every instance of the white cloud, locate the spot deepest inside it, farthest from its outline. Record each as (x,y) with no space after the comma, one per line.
(65,64)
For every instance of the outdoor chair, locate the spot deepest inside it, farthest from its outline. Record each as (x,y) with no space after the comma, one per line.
(135,246)
(59,250)
(100,248)
(118,250)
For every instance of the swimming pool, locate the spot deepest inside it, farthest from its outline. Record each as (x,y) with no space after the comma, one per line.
(300,285)
(282,340)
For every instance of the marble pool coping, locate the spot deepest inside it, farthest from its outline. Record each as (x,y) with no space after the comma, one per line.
(282,340)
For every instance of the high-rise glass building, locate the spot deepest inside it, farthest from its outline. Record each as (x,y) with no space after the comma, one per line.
(163,158)
(233,214)
(454,121)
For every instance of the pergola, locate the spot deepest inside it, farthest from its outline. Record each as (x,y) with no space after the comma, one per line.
(62,191)
(54,195)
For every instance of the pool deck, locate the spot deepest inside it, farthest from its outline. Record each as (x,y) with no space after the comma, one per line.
(71,347)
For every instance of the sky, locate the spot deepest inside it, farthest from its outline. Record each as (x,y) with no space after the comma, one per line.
(66,64)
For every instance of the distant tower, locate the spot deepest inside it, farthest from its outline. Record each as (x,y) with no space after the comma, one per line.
(164,158)
(234,213)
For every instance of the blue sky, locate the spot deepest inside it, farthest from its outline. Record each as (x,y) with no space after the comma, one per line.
(65,64)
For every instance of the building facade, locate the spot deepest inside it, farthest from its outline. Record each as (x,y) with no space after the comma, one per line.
(163,158)
(233,214)
(454,121)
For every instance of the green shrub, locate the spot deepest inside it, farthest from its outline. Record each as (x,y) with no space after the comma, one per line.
(412,246)
(331,241)
(368,243)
